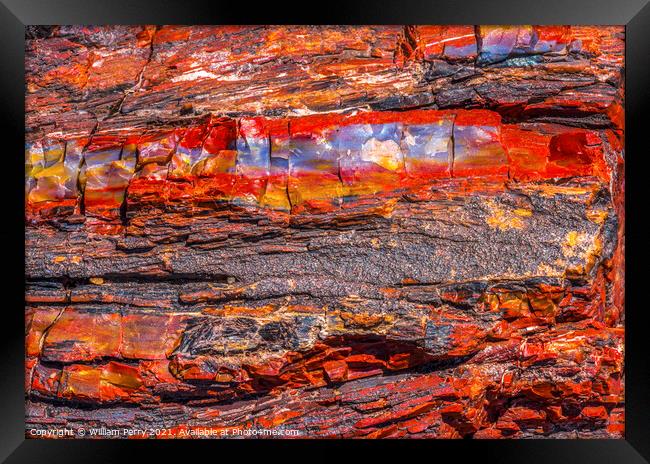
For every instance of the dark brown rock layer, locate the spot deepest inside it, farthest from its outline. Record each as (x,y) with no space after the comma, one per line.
(336,231)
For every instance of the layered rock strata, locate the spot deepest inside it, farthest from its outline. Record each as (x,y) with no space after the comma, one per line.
(341,231)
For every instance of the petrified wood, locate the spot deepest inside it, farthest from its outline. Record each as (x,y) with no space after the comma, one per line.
(342,231)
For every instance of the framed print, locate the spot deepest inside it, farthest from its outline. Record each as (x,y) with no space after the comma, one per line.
(404,228)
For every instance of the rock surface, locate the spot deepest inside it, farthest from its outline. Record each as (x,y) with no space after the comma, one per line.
(336,231)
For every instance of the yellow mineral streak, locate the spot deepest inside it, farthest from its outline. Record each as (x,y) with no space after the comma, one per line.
(574,243)
(504,219)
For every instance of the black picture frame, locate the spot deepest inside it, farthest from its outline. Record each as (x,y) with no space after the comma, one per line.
(15,14)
